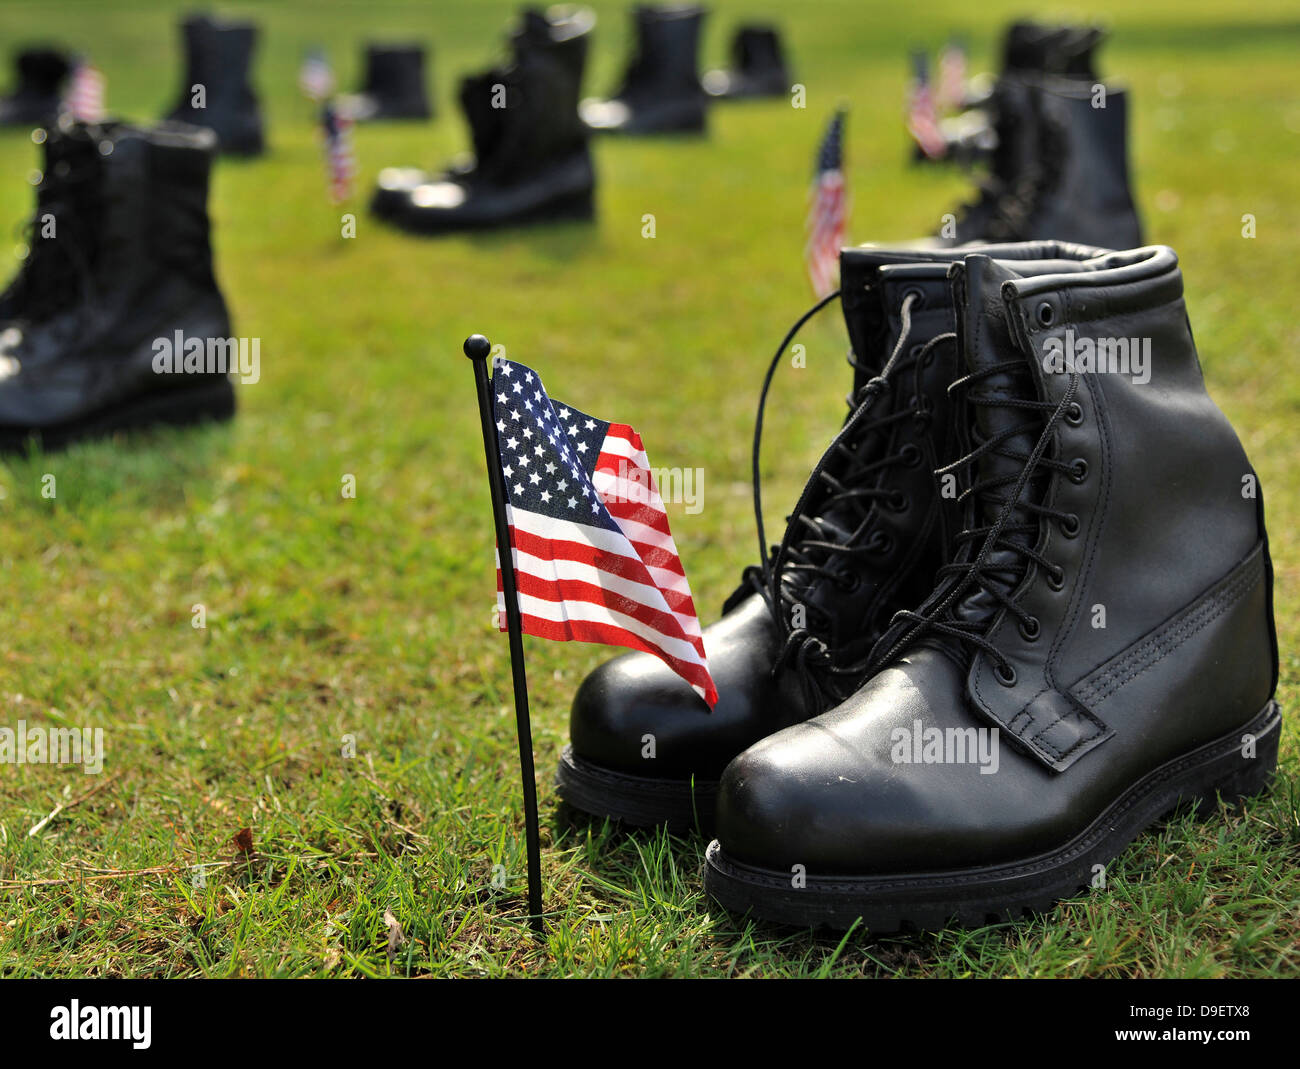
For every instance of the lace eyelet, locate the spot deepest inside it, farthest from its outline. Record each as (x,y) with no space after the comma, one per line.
(897,501)
(1030,629)
(880,542)
(1074,414)
(915,351)
(1079,470)
(1046,314)
(1070,525)
(911,455)
(1006,674)
(1056,582)
(913,291)
(923,419)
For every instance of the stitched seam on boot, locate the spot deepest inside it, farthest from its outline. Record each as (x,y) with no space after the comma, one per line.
(1153,649)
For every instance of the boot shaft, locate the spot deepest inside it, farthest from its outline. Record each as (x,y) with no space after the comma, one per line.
(151,220)
(68,208)
(564,34)
(219,59)
(218,56)
(396,73)
(1081,191)
(667,50)
(1108,501)
(756,50)
(538,125)
(41,72)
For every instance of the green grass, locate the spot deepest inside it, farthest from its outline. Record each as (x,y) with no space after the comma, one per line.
(371,617)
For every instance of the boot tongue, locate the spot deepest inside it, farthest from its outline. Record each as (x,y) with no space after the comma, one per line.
(873,332)
(986,343)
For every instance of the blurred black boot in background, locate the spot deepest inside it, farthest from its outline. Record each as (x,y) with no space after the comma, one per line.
(120,322)
(67,199)
(35,99)
(661,91)
(217,91)
(530,161)
(394,85)
(759,70)
(1073,180)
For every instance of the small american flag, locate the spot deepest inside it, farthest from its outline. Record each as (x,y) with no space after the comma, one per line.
(316,78)
(952,76)
(593,557)
(828,210)
(85,99)
(340,160)
(922,114)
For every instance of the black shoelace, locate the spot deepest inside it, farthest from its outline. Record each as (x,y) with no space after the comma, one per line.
(981,574)
(808,550)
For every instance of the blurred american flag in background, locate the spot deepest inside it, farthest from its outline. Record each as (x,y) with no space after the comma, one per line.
(85,99)
(340,160)
(828,210)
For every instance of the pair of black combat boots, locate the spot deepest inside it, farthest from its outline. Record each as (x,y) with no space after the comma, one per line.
(1058,165)
(531,161)
(1022,609)
(115,319)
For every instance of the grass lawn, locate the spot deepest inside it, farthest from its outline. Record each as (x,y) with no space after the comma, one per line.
(371,618)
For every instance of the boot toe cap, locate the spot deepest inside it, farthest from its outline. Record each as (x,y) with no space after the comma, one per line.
(635,705)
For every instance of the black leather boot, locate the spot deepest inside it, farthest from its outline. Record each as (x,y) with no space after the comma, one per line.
(102,301)
(1101,652)
(219,57)
(393,87)
(1030,53)
(67,203)
(1074,185)
(759,70)
(865,541)
(661,92)
(35,100)
(531,162)
(563,33)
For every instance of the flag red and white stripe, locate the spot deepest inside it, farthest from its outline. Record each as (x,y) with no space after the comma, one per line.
(85,99)
(923,118)
(952,77)
(340,159)
(827,210)
(594,557)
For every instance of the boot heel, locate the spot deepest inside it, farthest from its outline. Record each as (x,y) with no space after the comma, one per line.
(1241,777)
(580,206)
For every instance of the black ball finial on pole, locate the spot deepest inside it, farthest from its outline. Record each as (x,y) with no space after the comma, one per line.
(477,347)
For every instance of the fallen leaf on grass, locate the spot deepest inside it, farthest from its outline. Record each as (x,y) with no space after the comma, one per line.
(396,937)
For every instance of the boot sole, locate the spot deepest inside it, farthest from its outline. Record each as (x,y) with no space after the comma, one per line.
(213,401)
(642,801)
(975,897)
(574,207)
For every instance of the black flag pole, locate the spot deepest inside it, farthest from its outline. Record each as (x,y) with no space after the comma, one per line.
(478,348)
